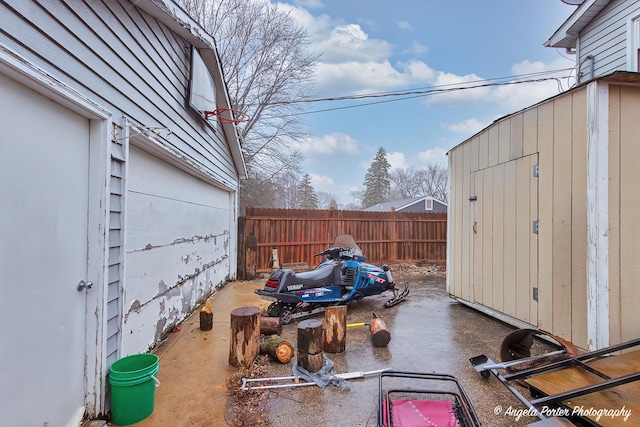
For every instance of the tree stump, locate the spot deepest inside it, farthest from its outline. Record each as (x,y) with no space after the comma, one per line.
(380,335)
(270,326)
(335,329)
(206,317)
(245,336)
(310,345)
(279,350)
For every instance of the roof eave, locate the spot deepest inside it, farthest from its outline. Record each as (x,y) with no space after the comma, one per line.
(567,35)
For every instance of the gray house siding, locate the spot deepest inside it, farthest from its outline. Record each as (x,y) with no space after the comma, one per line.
(115,259)
(122,67)
(421,207)
(129,62)
(106,49)
(605,40)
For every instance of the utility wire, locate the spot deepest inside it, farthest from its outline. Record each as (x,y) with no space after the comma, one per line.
(418,93)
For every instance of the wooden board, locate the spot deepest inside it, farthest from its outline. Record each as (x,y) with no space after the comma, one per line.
(625,396)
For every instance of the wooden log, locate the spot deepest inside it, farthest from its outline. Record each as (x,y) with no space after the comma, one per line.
(380,335)
(310,345)
(245,336)
(206,317)
(278,349)
(270,325)
(335,329)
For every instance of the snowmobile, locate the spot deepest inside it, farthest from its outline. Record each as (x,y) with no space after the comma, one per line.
(342,276)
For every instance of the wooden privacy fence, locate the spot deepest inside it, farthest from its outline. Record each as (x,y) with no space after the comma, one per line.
(298,234)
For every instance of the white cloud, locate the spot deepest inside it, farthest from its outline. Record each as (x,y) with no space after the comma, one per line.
(350,43)
(354,63)
(328,144)
(434,156)
(416,49)
(321,181)
(310,4)
(516,97)
(466,127)
(405,25)
(326,184)
(397,160)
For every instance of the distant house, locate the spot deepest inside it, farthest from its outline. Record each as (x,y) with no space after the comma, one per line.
(544,206)
(416,204)
(120,199)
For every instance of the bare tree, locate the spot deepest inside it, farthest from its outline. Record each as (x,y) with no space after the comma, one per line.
(268,70)
(433,180)
(404,184)
(411,182)
(286,183)
(327,200)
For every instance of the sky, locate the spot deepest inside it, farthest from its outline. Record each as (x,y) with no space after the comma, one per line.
(371,46)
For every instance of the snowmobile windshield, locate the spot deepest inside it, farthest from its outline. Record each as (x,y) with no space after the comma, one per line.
(346,241)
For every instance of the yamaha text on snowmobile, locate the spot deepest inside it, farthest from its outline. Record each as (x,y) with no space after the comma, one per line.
(342,276)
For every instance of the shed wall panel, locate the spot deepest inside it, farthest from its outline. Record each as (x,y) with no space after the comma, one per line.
(516,137)
(509,238)
(493,135)
(561,226)
(545,203)
(497,238)
(530,132)
(483,150)
(486,237)
(453,278)
(478,229)
(579,219)
(504,141)
(465,237)
(629,250)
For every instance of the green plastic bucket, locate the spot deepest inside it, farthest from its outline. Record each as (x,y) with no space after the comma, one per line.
(133,388)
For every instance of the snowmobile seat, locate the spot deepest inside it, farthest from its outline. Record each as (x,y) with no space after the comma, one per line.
(323,275)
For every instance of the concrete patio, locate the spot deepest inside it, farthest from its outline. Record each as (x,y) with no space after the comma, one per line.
(430,332)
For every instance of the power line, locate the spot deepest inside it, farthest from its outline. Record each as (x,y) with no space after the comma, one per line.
(419,93)
(426,89)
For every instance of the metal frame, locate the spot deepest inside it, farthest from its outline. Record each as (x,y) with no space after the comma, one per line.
(485,366)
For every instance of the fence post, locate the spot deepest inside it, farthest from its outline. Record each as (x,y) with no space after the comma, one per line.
(251,255)
(242,266)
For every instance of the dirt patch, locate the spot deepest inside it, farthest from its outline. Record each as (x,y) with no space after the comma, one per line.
(248,407)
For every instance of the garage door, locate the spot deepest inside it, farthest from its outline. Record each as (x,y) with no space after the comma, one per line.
(176,242)
(43,223)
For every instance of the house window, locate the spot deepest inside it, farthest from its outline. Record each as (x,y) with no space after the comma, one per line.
(428,205)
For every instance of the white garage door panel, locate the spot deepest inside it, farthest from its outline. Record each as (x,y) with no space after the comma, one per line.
(158,221)
(149,175)
(177,245)
(43,223)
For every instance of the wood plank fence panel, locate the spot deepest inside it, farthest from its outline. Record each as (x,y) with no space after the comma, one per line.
(298,234)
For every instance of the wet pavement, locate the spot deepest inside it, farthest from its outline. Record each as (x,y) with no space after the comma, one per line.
(430,333)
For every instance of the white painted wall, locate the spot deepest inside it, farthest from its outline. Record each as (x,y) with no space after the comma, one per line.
(177,247)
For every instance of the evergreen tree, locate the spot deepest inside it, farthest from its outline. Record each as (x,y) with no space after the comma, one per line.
(306,197)
(377,181)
